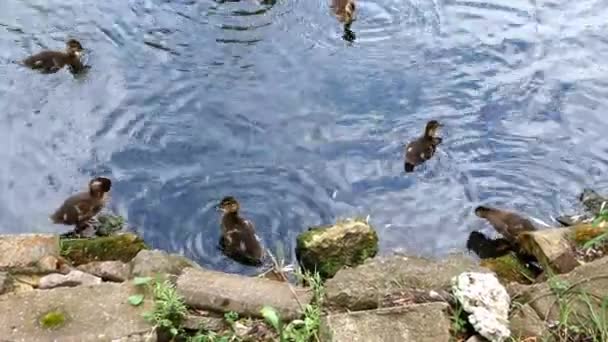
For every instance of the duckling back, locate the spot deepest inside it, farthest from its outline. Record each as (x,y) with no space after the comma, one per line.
(239,240)
(508,224)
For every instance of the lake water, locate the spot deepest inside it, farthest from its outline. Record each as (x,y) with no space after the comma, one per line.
(189,101)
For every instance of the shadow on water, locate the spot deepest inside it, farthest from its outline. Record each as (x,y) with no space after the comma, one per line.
(271,102)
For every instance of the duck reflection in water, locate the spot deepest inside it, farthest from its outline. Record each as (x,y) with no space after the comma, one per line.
(345,10)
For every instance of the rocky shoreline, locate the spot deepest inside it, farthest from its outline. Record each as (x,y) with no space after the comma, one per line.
(113,288)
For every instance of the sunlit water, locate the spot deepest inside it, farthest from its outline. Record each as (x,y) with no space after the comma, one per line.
(188,101)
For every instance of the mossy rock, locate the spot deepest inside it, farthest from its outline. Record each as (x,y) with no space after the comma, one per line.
(509,268)
(327,249)
(581,234)
(123,247)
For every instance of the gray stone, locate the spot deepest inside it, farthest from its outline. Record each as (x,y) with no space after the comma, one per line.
(116,271)
(416,323)
(92,313)
(153,262)
(591,279)
(365,286)
(74,278)
(525,323)
(327,249)
(223,292)
(196,322)
(25,250)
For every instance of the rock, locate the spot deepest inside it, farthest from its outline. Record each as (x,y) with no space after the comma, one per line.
(223,292)
(24,250)
(551,248)
(415,323)
(116,271)
(4,282)
(525,323)
(196,323)
(590,279)
(74,278)
(509,268)
(122,247)
(153,262)
(476,338)
(366,286)
(71,315)
(486,301)
(326,249)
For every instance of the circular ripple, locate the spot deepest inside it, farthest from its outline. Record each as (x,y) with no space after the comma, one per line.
(281,203)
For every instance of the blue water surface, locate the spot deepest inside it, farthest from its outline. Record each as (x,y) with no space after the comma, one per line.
(188,101)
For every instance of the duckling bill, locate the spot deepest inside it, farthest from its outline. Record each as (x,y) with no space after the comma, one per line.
(239,240)
(507,223)
(79,208)
(52,61)
(423,148)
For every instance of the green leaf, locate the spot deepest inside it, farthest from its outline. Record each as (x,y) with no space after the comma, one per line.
(271,316)
(138,281)
(174,331)
(136,299)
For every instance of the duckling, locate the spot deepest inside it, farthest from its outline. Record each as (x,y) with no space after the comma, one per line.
(423,148)
(344,10)
(508,224)
(78,209)
(239,240)
(52,61)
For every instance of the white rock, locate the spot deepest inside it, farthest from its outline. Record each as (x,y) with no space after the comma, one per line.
(487,303)
(74,278)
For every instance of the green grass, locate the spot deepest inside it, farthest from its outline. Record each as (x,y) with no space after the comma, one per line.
(571,325)
(599,219)
(307,328)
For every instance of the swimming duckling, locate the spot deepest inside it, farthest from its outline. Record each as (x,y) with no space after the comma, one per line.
(345,11)
(238,240)
(78,209)
(423,148)
(53,61)
(508,224)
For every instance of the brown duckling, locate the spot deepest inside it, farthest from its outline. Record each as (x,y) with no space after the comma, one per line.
(344,10)
(239,240)
(78,209)
(423,148)
(53,61)
(508,224)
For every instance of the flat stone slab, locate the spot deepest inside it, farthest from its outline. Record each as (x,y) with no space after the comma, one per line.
(551,247)
(590,278)
(92,313)
(24,250)
(223,292)
(364,287)
(415,323)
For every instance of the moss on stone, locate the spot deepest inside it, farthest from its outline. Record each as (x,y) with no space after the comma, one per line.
(327,249)
(123,247)
(53,320)
(509,268)
(584,233)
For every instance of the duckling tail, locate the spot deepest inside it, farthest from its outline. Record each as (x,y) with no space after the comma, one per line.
(409,167)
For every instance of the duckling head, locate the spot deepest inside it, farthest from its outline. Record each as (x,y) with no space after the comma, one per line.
(432,128)
(349,12)
(73,47)
(229,204)
(99,185)
(482,211)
